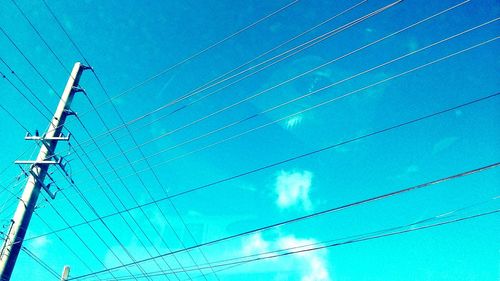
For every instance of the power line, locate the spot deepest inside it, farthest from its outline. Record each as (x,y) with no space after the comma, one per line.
(121,182)
(29,62)
(100,83)
(114,206)
(287,102)
(309,216)
(40,36)
(166,70)
(288,54)
(41,263)
(306,109)
(300,156)
(34,107)
(77,255)
(156,178)
(25,85)
(26,98)
(248,258)
(297,49)
(14,118)
(357,240)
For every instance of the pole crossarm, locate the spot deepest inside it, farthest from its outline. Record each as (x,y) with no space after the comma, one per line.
(37,173)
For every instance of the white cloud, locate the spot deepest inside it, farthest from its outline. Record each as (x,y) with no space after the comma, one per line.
(443,144)
(39,246)
(40,242)
(313,263)
(255,244)
(293,121)
(293,188)
(309,266)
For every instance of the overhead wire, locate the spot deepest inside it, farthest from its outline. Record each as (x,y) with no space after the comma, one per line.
(326,102)
(156,178)
(100,83)
(289,251)
(26,98)
(280,58)
(67,246)
(183,61)
(222,76)
(300,156)
(314,214)
(284,103)
(76,234)
(29,62)
(298,76)
(41,263)
(40,35)
(247,258)
(116,208)
(128,189)
(168,69)
(26,86)
(45,42)
(30,101)
(13,184)
(220,79)
(55,55)
(118,199)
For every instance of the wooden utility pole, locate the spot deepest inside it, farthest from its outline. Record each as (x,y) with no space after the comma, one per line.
(36,175)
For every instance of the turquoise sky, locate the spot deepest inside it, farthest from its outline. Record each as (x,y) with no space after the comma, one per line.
(266,81)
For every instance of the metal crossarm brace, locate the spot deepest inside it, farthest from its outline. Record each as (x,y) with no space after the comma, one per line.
(37,162)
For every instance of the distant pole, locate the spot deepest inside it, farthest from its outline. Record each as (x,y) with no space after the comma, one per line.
(65,273)
(36,175)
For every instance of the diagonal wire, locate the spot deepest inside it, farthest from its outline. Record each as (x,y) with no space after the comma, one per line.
(140,179)
(24,84)
(59,60)
(41,262)
(274,60)
(79,50)
(166,70)
(157,180)
(29,62)
(303,110)
(77,255)
(37,109)
(279,58)
(287,102)
(300,156)
(40,35)
(117,197)
(247,258)
(315,214)
(290,251)
(77,235)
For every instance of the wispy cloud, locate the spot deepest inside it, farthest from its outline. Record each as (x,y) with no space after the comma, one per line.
(255,244)
(308,266)
(293,188)
(443,144)
(314,265)
(293,121)
(39,246)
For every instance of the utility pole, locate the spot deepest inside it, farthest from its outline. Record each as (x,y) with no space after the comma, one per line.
(65,273)
(36,175)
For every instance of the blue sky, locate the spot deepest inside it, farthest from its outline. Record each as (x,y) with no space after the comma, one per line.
(297,98)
